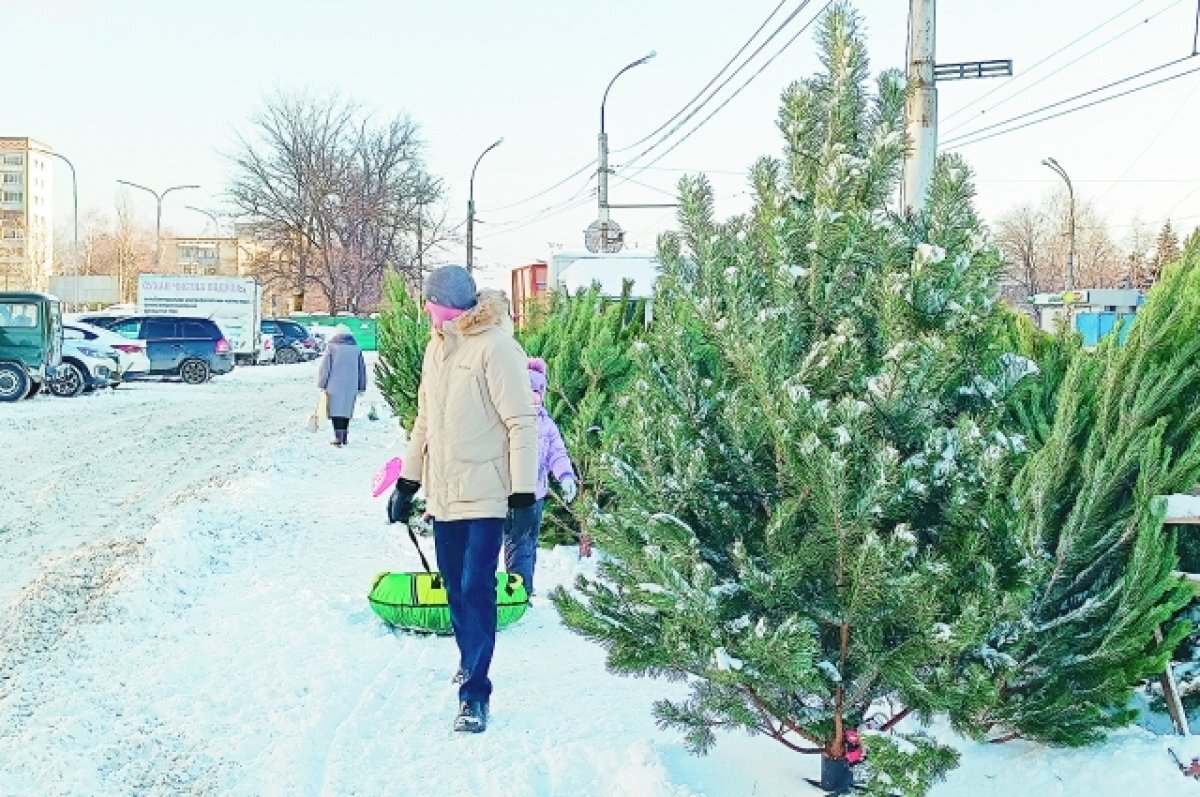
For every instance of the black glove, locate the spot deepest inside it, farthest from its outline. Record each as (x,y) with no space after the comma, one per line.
(400,505)
(521,500)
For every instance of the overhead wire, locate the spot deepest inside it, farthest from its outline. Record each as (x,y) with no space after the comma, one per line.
(1027,72)
(570,204)
(712,95)
(592,163)
(643,167)
(708,85)
(1171,120)
(974,136)
(544,191)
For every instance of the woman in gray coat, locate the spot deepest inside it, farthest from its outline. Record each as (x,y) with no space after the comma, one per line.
(343,376)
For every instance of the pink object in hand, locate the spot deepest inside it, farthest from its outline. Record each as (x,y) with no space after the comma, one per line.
(386,476)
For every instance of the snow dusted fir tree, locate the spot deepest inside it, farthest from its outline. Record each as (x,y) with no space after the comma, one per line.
(810,519)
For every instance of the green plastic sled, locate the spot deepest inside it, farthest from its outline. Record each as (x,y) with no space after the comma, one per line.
(417,601)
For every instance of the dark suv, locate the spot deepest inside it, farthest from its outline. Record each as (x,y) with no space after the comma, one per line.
(292,341)
(191,348)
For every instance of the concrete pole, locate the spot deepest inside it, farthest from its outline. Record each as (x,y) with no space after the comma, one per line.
(471,207)
(602,149)
(920,105)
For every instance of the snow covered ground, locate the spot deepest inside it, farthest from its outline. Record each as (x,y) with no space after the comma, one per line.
(183,573)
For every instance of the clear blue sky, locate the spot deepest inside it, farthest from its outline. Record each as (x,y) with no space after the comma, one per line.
(153,90)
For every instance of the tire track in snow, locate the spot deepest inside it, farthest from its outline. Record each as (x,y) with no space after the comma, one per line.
(191,443)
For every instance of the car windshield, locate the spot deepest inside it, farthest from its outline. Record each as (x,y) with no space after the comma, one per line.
(16,315)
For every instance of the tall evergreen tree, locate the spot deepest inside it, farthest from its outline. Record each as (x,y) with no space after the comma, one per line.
(810,505)
(1127,428)
(403,334)
(585,340)
(1166,248)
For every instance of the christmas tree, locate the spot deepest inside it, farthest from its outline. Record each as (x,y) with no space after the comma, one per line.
(403,335)
(1126,429)
(585,340)
(810,482)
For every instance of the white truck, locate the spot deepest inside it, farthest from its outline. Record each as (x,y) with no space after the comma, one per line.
(234,303)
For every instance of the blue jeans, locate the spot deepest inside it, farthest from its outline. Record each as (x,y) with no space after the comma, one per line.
(466,553)
(521,529)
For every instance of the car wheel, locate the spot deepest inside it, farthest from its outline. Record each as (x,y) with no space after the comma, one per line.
(286,356)
(71,383)
(14,382)
(194,372)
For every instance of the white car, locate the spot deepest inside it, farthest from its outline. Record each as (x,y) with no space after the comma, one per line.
(132,353)
(134,359)
(86,365)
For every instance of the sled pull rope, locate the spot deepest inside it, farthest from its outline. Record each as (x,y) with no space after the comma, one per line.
(413,536)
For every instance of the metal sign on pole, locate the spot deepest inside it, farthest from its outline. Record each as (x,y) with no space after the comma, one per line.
(972,69)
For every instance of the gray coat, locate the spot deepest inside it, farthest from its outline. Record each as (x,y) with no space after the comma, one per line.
(343,375)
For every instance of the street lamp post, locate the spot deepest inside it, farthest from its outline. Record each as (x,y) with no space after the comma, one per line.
(158,198)
(1057,168)
(602,142)
(211,215)
(471,207)
(75,219)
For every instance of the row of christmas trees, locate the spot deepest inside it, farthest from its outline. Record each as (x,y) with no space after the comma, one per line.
(839,484)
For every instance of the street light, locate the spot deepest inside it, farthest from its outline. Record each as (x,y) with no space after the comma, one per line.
(158,214)
(1057,168)
(75,217)
(471,207)
(211,215)
(602,160)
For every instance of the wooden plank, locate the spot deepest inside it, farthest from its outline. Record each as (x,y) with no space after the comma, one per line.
(1183,509)
(1171,695)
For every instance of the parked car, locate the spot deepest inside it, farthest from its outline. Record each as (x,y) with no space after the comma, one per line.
(30,343)
(191,348)
(86,365)
(132,353)
(292,341)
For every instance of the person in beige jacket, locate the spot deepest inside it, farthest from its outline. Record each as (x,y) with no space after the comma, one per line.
(474,446)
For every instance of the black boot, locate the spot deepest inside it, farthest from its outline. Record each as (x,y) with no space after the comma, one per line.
(472,717)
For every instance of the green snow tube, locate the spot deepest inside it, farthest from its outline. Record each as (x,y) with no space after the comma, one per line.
(417,601)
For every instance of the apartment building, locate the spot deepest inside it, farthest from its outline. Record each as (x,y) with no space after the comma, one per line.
(200,256)
(26,214)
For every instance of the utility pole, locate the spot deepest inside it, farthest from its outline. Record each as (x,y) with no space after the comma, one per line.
(607,235)
(471,207)
(1057,168)
(920,105)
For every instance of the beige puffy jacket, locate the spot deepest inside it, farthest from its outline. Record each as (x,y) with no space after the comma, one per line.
(475,438)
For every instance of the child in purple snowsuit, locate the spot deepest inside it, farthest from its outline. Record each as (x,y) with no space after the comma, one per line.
(522,527)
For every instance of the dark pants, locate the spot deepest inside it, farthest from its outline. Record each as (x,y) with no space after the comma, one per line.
(466,553)
(340,424)
(521,529)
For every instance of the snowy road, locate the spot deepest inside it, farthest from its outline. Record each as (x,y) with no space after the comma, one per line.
(183,574)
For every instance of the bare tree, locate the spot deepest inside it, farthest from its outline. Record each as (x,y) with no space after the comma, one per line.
(334,198)
(1023,236)
(1035,242)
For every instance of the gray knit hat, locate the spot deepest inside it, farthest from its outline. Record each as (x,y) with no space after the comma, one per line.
(451,286)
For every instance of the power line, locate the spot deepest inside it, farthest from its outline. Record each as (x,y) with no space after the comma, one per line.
(730,98)
(1151,143)
(592,163)
(679,125)
(954,142)
(543,192)
(1032,69)
(708,85)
